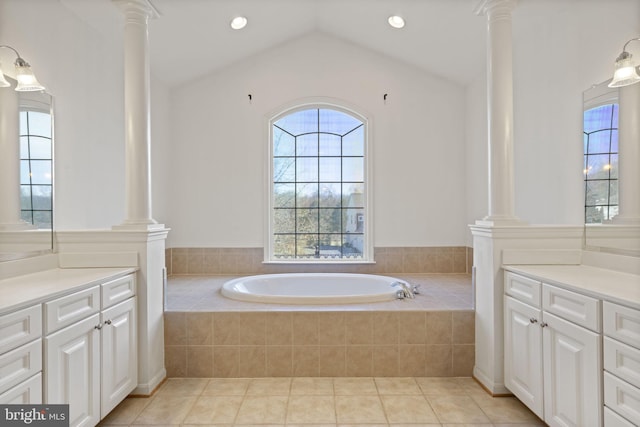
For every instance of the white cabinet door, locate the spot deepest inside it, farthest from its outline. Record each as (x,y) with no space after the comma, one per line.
(572,380)
(119,354)
(72,367)
(523,353)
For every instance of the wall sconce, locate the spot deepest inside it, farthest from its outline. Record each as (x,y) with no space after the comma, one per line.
(626,72)
(27,81)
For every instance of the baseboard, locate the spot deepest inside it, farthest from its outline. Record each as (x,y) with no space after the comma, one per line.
(146,390)
(494,389)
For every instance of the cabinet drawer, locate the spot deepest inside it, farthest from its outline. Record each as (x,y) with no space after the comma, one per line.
(622,361)
(19,364)
(523,289)
(621,323)
(71,308)
(27,392)
(579,309)
(20,327)
(118,290)
(622,397)
(611,419)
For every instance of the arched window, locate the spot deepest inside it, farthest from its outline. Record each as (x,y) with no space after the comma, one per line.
(318,196)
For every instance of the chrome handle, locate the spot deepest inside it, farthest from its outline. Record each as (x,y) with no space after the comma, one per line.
(543,325)
(533,320)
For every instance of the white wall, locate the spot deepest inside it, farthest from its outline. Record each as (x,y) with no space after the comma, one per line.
(561,48)
(219,144)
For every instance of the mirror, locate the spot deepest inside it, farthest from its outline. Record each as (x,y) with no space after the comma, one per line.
(601,109)
(26,217)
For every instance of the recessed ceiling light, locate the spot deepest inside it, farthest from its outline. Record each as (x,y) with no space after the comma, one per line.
(239,22)
(396,21)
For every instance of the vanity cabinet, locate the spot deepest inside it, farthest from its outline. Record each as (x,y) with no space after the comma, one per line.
(21,356)
(621,328)
(552,351)
(91,349)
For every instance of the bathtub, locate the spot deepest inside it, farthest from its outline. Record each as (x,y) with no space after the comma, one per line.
(312,288)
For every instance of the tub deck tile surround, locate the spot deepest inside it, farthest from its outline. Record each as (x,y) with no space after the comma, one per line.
(208,335)
(389,260)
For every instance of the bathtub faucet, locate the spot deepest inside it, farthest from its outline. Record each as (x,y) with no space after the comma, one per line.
(405,290)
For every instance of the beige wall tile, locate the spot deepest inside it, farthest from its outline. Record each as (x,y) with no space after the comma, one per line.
(279,328)
(306,362)
(179,261)
(332,361)
(175,328)
(394,260)
(211,261)
(463,327)
(439,360)
(331,328)
(175,360)
(359,360)
(385,361)
(228,262)
(385,328)
(251,328)
(412,327)
(195,261)
(279,361)
(439,327)
(359,327)
(444,260)
(464,358)
(199,361)
(460,260)
(411,260)
(225,328)
(305,329)
(199,328)
(252,361)
(412,360)
(167,261)
(225,361)
(428,260)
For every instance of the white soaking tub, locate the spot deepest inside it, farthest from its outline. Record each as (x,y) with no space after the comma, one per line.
(313,288)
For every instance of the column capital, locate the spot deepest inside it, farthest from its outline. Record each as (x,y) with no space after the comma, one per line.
(140,7)
(488,7)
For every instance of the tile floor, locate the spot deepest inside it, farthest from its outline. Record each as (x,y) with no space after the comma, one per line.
(407,401)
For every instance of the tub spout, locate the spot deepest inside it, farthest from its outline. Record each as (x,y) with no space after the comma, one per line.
(405,290)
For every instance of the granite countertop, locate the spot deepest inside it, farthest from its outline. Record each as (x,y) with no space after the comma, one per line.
(601,283)
(29,289)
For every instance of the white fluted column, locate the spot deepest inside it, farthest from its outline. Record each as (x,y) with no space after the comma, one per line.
(10,161)
(501,209)
(137,114)
(629,156)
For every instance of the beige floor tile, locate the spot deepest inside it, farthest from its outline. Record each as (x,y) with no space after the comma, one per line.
(166,409)
(262,410)
(126,412)
(354,386)
(226,387)
(406,385)
(408,409)
(182,387)
(312,386)
(468,425)
(434,386)
(507,410)
(538,424)
(311,409)
(269,386)
(457,409)
(214,410)
(359,409)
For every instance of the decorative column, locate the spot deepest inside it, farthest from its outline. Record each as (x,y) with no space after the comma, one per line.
(137,114)
(500,111)
(629,156)
(10,161)
(139,232)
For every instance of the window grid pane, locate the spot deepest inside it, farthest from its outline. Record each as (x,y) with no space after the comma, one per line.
(601,163)
(323,186)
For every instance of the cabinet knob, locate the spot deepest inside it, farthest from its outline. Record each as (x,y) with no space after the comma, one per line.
(533,320)
(107,322)
(543,325)
(98,327)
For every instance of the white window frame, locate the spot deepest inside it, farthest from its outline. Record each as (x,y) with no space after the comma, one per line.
(320,103)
